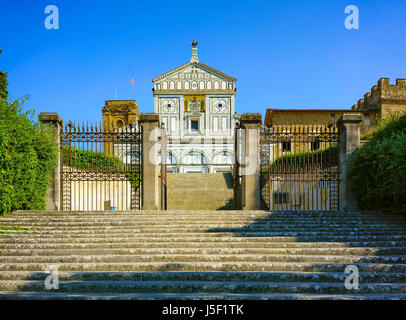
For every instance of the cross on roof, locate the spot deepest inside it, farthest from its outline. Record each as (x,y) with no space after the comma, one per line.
(194,44)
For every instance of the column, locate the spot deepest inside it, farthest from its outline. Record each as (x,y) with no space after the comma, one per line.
(53,194)
(349,126)
(250,166)
(150,171)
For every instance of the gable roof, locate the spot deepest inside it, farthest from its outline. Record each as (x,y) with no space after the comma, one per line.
(202,65)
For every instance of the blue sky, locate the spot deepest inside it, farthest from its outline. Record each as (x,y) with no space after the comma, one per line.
(285,54)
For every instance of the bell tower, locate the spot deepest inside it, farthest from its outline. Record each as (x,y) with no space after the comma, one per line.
(118,114)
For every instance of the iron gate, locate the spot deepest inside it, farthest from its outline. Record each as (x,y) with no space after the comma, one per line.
(101,170)
(299,167)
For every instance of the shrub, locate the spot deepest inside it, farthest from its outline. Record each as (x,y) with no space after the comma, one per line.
(91,160)
(378,169)
(98,162)
(297,161)
(387,127)
(28,154)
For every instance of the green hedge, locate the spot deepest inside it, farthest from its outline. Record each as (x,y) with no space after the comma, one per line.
(91,160)
(325,158)
(28,154)
(99,162)
(378,169)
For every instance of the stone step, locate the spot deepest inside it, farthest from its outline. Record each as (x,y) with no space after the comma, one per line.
(200,220)
(191,212)
(180,258)
(383,251)
(197,213)
(202,233)
(205,224)
(203,221)
(175,254)
(207,267)
(208,228)
(188,213)
(198,238)
(205,245)
(214,236)
(26,295)
(206,276)
(204,287)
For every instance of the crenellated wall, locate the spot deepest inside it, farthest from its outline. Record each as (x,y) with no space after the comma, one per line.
(384,98)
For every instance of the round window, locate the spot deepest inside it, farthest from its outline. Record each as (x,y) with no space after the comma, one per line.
(119,123)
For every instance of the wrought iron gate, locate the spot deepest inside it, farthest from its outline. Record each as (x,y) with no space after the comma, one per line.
(299,167)
(101,170)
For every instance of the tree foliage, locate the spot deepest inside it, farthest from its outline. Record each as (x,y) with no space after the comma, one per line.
(378,169)
(3,84)
(98,162)
(28,154)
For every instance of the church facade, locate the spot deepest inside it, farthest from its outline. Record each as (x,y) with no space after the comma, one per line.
(196,105)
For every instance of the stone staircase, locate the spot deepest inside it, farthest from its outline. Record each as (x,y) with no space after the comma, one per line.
(203,255)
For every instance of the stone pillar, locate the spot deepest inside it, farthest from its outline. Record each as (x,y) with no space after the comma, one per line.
(250,166)
(349,126)
(150,170)
(53,195)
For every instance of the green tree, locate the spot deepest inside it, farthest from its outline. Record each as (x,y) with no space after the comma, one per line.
(378,169)
(28,153)
(3,84)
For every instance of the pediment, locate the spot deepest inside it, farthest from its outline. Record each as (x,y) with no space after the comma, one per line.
(194,71)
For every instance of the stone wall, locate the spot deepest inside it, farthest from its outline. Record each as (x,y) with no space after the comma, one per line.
(307,117)
(384,98)
(200,191)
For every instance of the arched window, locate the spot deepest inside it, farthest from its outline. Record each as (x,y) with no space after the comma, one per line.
(195,157)
(224,157)
(119,123)
(132,157)
(170,158)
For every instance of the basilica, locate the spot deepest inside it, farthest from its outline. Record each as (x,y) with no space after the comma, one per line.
(196,104)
